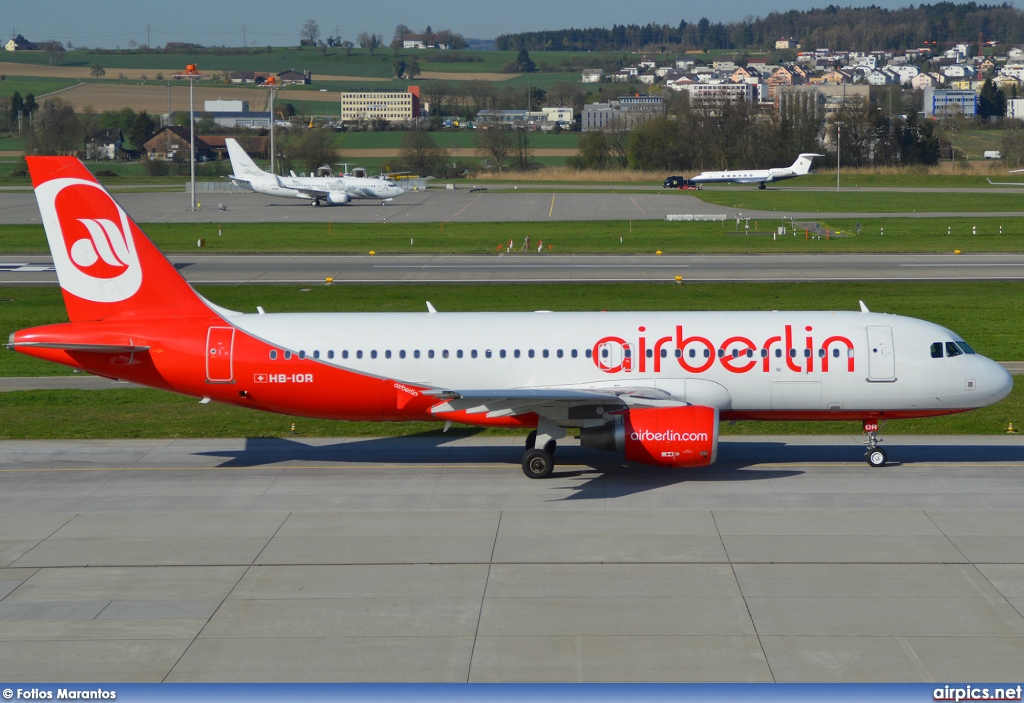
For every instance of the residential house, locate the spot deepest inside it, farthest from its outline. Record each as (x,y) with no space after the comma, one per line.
(1015,54)
(242,76)
(787,43)
(592,75)
(172,144)
(294,78)
(20,43)
(421,41)
(103,144)
(926,80)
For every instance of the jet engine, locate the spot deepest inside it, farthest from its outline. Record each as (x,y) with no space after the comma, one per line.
(338,198)
(684,436)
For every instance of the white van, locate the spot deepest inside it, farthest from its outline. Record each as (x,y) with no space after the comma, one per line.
(993,155)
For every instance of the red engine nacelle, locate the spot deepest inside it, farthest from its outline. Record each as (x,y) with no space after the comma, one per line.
(683,436)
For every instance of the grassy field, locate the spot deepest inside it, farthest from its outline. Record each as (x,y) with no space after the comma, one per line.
(978,311)
(859,201)
(35,86)
(600,237)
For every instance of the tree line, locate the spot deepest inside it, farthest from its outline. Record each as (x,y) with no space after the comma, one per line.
(838,28)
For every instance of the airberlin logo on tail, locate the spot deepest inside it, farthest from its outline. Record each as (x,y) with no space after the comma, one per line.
(91,241)
(102,254)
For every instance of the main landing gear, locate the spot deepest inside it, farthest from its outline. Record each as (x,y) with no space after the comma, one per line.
(761,186)
(874,455)
(316,202)
(539,462)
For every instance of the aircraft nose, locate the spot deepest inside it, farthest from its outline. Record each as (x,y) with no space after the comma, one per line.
(399,190)
(1000,382)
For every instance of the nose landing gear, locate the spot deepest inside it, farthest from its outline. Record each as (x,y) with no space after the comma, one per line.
(873,454)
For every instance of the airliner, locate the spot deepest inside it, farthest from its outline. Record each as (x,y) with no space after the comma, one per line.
(651,386)
(319,190)
(800,167)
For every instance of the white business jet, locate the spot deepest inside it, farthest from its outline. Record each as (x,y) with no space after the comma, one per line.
(800,167)
(319,190)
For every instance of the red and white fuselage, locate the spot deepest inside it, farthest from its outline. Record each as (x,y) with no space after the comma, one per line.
(651,384)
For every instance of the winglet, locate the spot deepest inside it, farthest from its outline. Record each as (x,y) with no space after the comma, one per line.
(863,307)
(431,309)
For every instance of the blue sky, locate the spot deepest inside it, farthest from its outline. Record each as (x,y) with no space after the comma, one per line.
(111,23)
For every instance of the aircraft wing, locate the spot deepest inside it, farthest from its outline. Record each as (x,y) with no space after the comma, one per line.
(554,403)
(995,183)
(311,192)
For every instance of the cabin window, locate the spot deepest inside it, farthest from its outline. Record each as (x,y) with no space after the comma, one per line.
(359,353)
(574,353)
(387,353)
(458,354)
(792,353)
(589,352)
(764,353)
(444,353)
(316,353)
(401,353)
(415,353)
(627,352)
(373,353)
(501,353)
(936,350)
(287,355)
(530,354)
(807,353)
(545,353)
(559,354)
(330,354)
(679,353)
(302,354)
(650,353)
(821,353)
(487,353)
(721,353)
(604,352)
(952,349)
(473,353)
(273,354)
(516,353)
(835,352)
(430,353)
(778,353)
(344,353)
(735,353)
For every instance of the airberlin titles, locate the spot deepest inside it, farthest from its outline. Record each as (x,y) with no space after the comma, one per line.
(736,354)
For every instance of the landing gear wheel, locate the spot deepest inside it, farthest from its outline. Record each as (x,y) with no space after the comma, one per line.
(315,203)
(537,463)
(761,186)
(531,440)
(876,457)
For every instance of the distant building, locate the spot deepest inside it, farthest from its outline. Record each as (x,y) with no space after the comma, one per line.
(242,76)
(421,41)
(1015,108)
(544,119)
(939,102)
(717,94)
(790,43)
(20,43)
(103,144)
(624,113)
(235,114)
(391,106)
(592,75)
(172,144)
(294,78)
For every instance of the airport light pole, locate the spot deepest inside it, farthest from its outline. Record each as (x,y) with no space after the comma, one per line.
(192,73)
(839,151)
(271,83)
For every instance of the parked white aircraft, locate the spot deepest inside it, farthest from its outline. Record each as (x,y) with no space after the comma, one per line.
(333,190)
(800,167)
(652,386)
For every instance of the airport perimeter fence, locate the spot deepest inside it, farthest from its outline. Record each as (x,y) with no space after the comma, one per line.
(215,187)
(695,218)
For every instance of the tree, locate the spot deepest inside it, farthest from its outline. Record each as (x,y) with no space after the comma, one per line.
(347,46)
(991,102)
(413,69)
(419,153)
(400,31)
(399,67)
(495,143)
(369,41)
(592,149)
(55,52)
(56,131)
(522,64)
(140,128)
(309,33)
(17,107)
(522,154)
(313,147)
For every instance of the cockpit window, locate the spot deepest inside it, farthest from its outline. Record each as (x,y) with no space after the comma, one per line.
(952,349)
(936,350)
(966,348)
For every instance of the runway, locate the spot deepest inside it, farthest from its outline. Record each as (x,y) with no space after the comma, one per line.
(463,205)
(302,269)
(434,559)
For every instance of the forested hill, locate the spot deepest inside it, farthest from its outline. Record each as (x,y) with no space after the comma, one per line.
(838,28)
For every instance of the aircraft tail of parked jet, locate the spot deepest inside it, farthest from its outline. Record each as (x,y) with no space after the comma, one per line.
(244,168)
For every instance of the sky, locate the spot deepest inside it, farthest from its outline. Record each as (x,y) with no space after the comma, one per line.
(115,23)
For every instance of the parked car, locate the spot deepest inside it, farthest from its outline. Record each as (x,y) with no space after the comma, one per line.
(680,183)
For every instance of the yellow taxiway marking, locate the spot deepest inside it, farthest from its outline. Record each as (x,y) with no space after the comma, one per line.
(552,208)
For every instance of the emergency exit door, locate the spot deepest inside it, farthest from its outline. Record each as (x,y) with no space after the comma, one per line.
(219,344)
